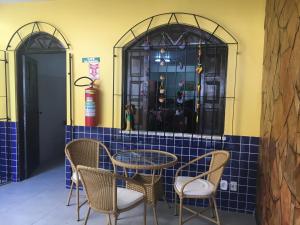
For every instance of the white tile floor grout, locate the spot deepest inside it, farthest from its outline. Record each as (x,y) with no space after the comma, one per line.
(41,200)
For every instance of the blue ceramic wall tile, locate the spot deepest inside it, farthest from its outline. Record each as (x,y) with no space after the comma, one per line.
(250,207)
(224,204)
(234,139)
(186,143)
(251,198)
(233,196)
(254,140)
(253,157)
(252,190)
(245,140)
(106,130)
(242,206)
(252,165)
(235,164)
(242,197)
(224,195)
(162,141)
(178,142)
(245,148)
(170,142)
(252,174)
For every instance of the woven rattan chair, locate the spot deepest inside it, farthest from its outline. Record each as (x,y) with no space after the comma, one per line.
(82,152)
(200,188)
(104,196)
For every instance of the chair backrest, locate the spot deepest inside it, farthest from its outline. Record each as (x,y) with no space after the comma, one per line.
(100,187)
(104,148)
(83,152)
(219,158)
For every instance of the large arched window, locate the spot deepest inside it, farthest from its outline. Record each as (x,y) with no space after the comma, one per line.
(174,79)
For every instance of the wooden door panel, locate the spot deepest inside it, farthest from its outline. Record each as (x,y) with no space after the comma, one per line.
(30,115)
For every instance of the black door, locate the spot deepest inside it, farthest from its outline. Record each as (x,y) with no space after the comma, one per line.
(30,115)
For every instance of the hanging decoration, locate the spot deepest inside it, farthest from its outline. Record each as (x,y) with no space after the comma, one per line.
(162,90)
(179,98)
(146,44)
(163,44)
(199,70)
(162,51)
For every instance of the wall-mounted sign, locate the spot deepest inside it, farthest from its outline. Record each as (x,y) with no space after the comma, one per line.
(94,64)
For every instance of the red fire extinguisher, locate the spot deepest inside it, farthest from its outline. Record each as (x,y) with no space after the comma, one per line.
(90,101)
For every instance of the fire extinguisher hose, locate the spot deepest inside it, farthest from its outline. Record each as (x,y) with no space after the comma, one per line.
(91,84)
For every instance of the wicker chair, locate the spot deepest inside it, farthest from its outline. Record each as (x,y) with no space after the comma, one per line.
(82,152)
(200,188)
(104,196)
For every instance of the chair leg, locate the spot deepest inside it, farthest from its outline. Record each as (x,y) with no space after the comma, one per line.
(70,193)
(116,219)
(180,211)
(155,214)
(165,200)
(212,208)
(175,204)
(87,216)
(216,210)
(145,212)
(78,204)
(109,220)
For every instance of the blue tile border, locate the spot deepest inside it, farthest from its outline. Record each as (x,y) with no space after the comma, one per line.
(242,167)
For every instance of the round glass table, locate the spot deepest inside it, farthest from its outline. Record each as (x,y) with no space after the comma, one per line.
(144,159)
(153,160)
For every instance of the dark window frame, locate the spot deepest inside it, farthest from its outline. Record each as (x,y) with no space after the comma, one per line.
(207,41)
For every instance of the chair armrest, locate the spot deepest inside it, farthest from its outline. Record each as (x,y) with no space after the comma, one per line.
(202,175)
(130,180)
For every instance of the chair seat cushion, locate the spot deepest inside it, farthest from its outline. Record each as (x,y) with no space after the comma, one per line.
(74,175)
(126,197)
(75,178)
(198,187)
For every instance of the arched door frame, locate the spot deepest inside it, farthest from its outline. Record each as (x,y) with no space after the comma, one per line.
(29,29)
(24,33)
(4,103)
(21,35)
(145,26)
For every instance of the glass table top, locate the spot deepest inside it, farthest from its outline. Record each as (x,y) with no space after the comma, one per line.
(144,159)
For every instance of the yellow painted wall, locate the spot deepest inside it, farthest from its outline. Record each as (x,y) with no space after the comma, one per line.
(93,27)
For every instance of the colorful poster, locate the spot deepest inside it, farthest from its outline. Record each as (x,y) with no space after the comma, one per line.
(94,66)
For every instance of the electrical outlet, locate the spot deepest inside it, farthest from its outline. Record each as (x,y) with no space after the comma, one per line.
(233,186)
(224,185)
